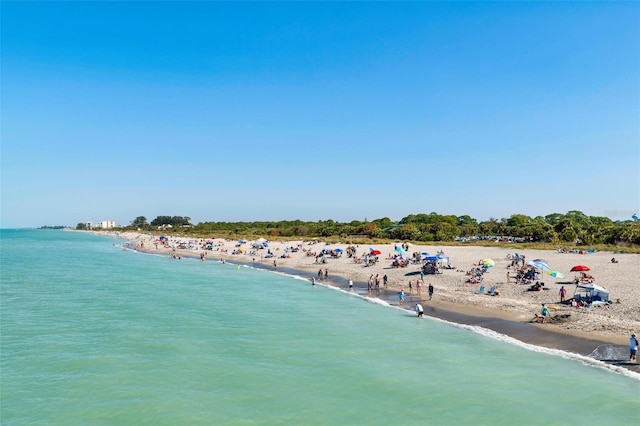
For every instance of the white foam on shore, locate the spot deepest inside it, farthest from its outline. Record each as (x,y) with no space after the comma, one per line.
(592,362)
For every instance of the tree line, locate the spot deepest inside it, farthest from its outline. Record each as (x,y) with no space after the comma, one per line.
(572,227)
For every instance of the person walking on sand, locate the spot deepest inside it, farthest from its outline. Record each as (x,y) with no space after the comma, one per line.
(385,280)
(563,293)
(419,310)
(430,291)
(633,348)
(544,313)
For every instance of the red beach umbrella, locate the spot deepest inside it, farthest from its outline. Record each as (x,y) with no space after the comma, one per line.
(375,252)
(580,268)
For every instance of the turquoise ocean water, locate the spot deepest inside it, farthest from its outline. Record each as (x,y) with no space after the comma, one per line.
(93,334)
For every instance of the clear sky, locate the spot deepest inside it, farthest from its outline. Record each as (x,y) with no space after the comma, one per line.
(314,111)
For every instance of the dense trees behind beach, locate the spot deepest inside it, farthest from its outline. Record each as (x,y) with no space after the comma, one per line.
(573,227)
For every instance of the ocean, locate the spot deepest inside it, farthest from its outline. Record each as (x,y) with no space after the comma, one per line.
(95,334)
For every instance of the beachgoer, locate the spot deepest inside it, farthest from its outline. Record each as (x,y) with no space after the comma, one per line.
(320,273)
(401,296)
(410,287)
(385,280)
(275,265)
(419,310)
(350,285)
(326,273)
(613,260)
(430,288)
(313,280)
(544,313)
(563,293)
(633,348)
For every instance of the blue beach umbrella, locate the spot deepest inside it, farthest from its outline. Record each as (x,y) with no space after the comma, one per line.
(539,264)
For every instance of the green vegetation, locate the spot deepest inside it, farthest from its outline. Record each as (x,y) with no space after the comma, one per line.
(554,230)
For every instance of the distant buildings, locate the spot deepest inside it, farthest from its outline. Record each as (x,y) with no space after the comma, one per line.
(103,224)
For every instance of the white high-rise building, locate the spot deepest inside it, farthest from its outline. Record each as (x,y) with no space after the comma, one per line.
(107,224)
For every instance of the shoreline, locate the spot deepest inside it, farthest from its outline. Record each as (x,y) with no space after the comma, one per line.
(546,335)
(446,305)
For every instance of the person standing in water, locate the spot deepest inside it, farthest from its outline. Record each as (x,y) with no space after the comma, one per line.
(419,310)
(633,348)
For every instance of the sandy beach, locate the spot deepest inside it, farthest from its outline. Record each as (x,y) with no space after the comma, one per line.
(576,329)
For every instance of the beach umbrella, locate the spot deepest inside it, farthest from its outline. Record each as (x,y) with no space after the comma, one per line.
(424,253)
(400,250)
(375,252)
(539,265)
(431,258)
(488,263)
(580,268)
(338,250)
(556,274)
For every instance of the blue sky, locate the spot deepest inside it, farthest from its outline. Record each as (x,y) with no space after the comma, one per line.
(315,111)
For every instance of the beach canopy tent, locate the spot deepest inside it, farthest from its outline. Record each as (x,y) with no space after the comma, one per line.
(440,258)
(593,291)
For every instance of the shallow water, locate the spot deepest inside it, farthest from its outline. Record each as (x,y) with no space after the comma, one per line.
(95,334)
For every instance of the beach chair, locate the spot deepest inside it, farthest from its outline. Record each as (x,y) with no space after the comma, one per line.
(492,291)
(480,290)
